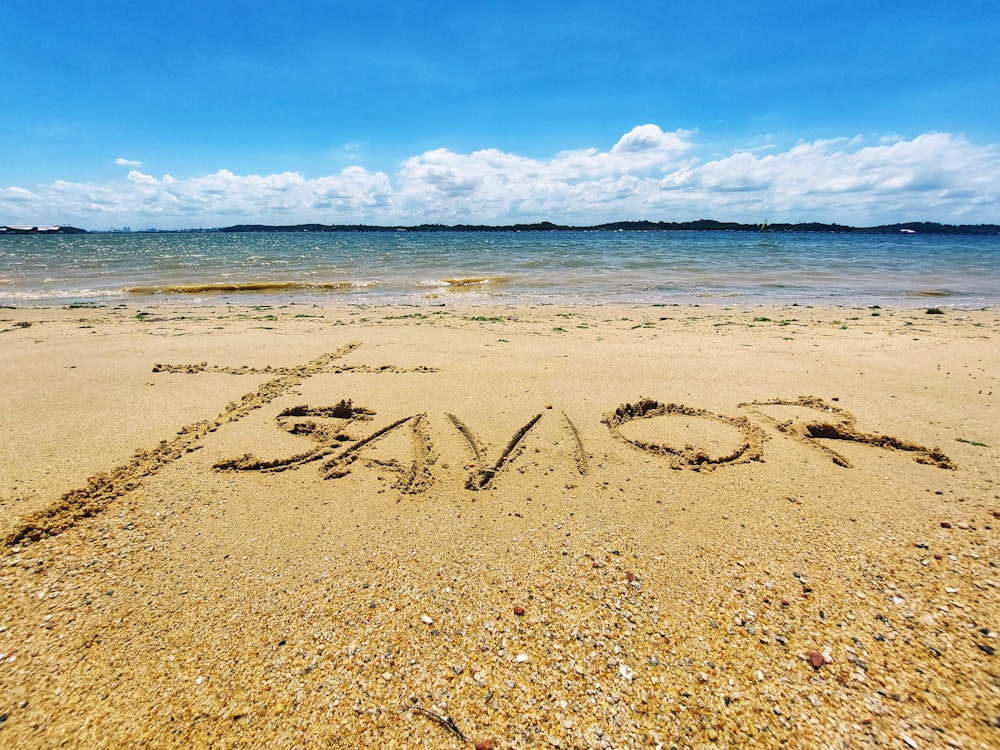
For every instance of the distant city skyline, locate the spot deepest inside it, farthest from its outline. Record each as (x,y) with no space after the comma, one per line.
(211,114)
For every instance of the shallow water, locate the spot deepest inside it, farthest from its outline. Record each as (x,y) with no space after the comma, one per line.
(501,267)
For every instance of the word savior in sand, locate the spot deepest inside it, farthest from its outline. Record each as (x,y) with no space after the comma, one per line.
(340,440)
(344,438)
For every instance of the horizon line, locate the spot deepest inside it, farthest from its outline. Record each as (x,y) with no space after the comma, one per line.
(914,227)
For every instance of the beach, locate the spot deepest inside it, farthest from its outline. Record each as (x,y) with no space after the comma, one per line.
(450,525)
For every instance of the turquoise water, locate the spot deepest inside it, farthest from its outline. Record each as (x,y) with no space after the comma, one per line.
(501,267)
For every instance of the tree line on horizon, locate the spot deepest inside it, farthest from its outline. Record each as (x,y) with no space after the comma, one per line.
(916,227)
(701,225)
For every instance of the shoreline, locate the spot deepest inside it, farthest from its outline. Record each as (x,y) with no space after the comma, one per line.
(568,526)
(464,296)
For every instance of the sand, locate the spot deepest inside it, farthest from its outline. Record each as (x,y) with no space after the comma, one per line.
(457,526)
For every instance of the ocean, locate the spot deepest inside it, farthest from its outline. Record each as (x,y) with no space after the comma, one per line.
(503,267)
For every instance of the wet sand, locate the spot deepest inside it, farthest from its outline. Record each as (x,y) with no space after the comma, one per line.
(589,527)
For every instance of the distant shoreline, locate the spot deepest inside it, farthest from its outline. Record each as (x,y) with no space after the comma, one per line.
(702,225)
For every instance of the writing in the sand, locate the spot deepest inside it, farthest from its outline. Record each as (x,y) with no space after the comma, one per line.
(338,450)
(343,438)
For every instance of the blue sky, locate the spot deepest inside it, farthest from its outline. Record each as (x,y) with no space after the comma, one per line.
(209,113)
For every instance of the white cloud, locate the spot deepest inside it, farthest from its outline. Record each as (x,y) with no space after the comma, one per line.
(646,174)
(936,176)
(649,138)
(15,195)
(127,162)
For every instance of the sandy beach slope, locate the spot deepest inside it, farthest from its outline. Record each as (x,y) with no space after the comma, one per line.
(445,527)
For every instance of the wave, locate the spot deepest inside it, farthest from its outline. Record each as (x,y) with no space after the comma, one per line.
(243,286)
(467,282)
(27,295)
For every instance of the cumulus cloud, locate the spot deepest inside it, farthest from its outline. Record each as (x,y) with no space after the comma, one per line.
(935,176)
(649,138)
(647,174)
(127,162)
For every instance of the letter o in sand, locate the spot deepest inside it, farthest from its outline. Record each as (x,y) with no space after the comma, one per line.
(686,437)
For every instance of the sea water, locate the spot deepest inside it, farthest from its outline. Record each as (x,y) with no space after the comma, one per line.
(562,267)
